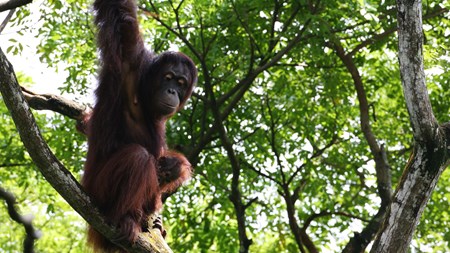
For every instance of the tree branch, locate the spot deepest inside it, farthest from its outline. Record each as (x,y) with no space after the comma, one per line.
(382,166)
(317,152)
(424,125)
(328,213)
(56,174)
(12,4)
(6,20)
(260,173)
(26,221)
(301,237)
(57,104)
(236,195)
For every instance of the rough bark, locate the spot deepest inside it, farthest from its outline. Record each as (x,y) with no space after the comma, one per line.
(56,104)
(431,150)
(55,173)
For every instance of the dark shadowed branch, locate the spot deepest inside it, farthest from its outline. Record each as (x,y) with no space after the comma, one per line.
(360,240)
(6,20)
(25,220)
(12,4)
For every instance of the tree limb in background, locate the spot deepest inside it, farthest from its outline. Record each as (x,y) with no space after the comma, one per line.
(431,151)
(12,4)
(56,174)
(6,20)
(360,241)
(26,220)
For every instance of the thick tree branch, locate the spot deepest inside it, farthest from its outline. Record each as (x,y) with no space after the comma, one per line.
(12,4)
(360,240)
(412,72)
(31,233)
(55,173)
(301,237)
(431,151)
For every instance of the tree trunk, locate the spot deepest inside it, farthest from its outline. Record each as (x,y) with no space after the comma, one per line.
(431,152)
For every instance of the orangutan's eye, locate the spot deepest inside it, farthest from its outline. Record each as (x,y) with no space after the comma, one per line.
(181,81)
(168,76)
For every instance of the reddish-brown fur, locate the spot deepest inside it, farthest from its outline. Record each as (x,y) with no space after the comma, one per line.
(128,164)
